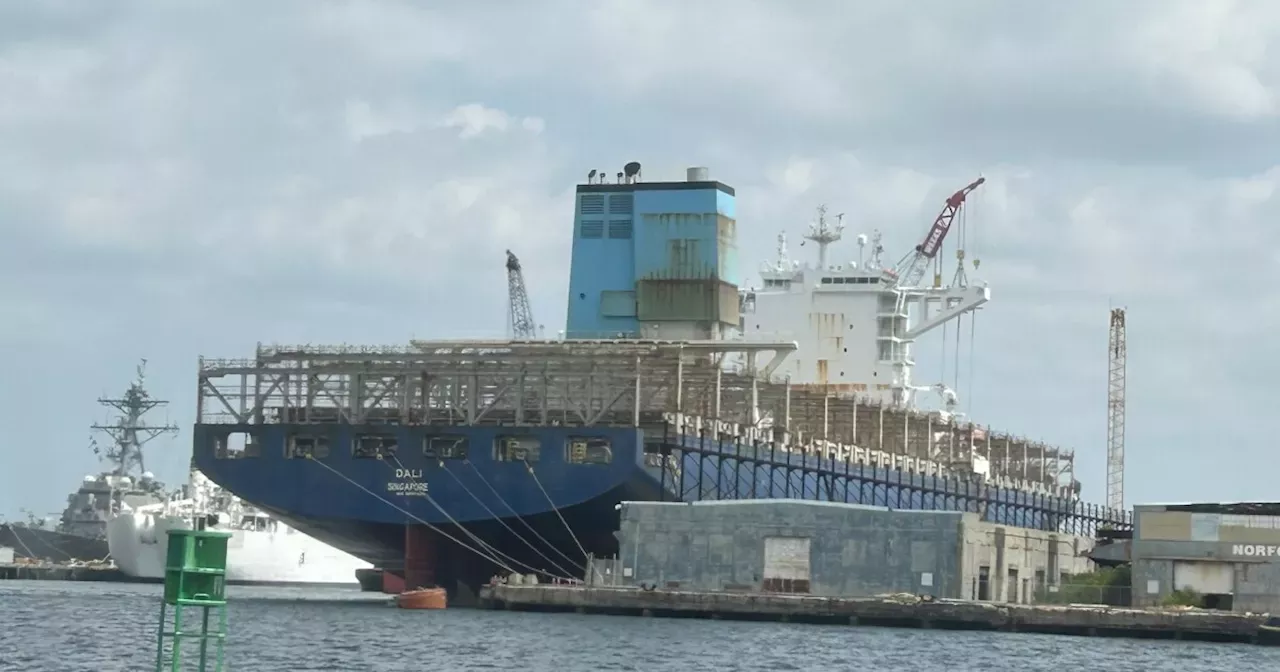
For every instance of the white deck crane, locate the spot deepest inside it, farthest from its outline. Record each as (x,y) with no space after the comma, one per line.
(519,314)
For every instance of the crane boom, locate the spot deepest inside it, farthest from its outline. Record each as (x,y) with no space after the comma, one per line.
(911,268)
(519,313)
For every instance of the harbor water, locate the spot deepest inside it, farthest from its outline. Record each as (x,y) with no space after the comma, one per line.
(69,627)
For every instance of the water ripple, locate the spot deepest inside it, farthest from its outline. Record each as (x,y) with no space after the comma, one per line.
(70,627)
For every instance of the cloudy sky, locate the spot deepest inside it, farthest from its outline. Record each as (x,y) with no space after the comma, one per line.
(189,178)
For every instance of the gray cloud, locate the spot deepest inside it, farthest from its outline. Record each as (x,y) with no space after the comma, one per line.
(190,179)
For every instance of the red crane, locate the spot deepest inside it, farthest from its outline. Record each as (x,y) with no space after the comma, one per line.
(912,266)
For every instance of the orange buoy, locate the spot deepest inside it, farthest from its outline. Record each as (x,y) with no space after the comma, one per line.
(423,598)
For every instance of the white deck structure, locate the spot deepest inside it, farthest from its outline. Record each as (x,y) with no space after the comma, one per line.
(262,550)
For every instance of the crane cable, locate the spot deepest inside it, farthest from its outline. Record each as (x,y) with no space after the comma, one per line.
(961,246)
(973,317)
(959,319)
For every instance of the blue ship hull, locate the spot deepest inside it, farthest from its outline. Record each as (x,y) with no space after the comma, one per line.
(546,513)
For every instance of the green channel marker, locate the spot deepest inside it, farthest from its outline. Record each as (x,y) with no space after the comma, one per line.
(195,576)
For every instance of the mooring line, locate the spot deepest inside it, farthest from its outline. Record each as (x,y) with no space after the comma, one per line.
(502,522)
(434,528)
(521,518)
(483,544)
(31,554)
(50,546)
(556,509)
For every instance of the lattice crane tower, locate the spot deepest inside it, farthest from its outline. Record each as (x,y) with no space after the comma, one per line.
(1115,411)
(519,314)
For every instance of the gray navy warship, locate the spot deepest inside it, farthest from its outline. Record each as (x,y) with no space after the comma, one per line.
(81,533)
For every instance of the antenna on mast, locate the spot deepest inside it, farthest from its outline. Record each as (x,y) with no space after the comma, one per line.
(823,232)
(128,431)
(782,261)
(877,249)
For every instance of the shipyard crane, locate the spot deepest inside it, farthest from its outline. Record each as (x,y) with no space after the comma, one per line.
(911,268)
(519,314)
(1116,356)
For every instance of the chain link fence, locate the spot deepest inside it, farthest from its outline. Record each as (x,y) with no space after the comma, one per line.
(1083,592)
(1109,587)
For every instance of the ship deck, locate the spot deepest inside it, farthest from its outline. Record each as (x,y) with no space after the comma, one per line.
(677,390)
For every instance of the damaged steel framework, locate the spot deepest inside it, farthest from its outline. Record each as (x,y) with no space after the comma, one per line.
(591,383)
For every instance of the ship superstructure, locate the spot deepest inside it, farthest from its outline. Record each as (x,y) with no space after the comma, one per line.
(448,461)
(855,322)
(654,260)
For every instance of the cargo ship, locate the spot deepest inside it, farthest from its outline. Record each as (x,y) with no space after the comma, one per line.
(446,463)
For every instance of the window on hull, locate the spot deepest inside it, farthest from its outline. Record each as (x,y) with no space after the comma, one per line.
(445,447)
(374,446)
(258,523)
(516,449)
(848,281)
(588,450)
(303,446)
(236,446)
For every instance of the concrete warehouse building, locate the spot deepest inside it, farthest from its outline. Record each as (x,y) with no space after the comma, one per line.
(1228,553)
(836,550)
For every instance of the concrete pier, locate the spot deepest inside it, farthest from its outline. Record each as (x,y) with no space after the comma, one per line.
(888,610)
(52,572)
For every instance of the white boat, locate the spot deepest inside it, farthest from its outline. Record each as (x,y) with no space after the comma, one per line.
(262,550)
